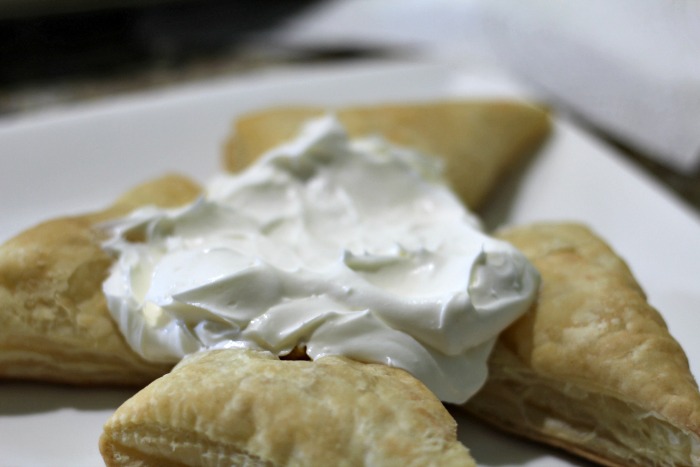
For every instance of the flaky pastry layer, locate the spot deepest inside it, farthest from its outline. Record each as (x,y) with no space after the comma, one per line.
(239,407)
(54,322)
(591,367)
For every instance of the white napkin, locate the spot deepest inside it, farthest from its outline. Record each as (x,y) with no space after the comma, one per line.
(630,67)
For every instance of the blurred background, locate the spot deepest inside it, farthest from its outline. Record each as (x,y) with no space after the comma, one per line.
(628,70)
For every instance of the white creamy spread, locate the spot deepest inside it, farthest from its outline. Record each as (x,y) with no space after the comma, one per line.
(346,247)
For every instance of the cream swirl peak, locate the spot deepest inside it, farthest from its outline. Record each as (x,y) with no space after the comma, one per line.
(344,247)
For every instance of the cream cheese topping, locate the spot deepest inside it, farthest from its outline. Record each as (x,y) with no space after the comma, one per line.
(345,247)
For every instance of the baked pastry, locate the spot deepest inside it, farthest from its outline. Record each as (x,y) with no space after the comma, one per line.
(54,322)
(591,367)
(242,407)
(478,140)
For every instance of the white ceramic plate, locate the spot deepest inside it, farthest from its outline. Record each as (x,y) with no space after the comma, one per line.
(74,159)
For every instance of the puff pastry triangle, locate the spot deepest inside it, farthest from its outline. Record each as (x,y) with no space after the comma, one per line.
(478,140)
(54,322)
(591,367)
(240,407)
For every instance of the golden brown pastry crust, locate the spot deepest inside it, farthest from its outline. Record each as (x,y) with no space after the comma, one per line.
(591,367)
(241,407)
(479,140)
(54,322)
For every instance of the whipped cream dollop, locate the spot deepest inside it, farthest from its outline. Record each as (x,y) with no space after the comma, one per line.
(344,247)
